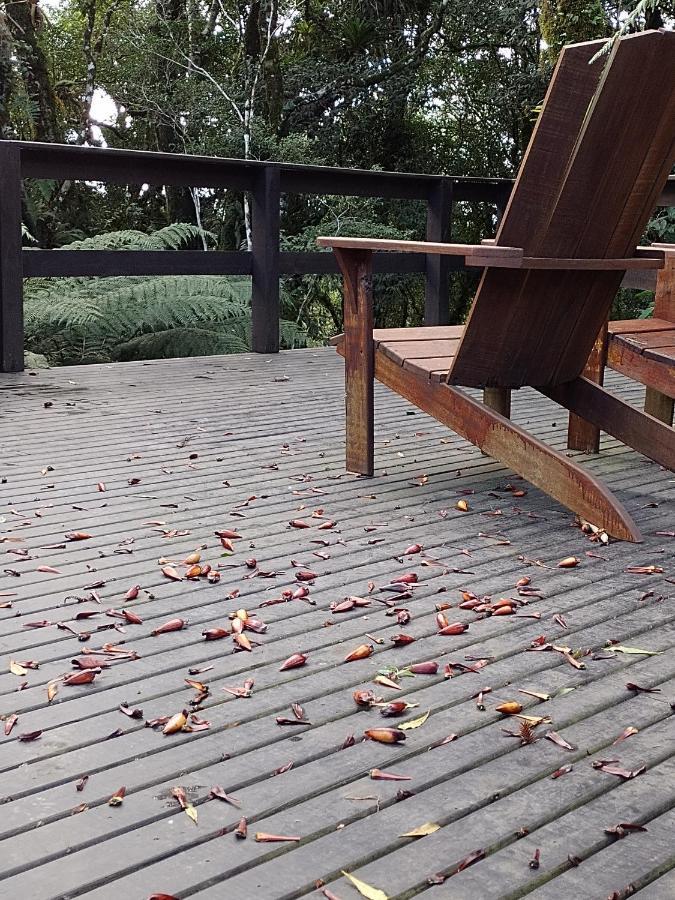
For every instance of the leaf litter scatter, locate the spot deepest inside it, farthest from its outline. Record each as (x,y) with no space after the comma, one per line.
(230,614)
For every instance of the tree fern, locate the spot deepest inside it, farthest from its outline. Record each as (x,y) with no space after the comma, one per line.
(103,319)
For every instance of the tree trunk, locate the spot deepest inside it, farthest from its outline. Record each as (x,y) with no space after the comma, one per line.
(23,24)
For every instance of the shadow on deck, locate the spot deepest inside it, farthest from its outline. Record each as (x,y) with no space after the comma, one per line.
(249,443)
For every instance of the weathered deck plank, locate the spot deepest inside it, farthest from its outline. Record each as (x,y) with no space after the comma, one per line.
(255,423)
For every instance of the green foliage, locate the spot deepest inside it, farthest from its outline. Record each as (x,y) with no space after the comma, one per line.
(435,86)
(76,320)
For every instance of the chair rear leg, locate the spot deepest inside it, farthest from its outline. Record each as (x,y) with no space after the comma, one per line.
(659,405)
(498,399)
(581,434)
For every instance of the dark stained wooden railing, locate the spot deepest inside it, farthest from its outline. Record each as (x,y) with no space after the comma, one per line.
(266,182)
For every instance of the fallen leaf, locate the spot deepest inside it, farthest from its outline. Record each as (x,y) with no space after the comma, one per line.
(624,828)
(619,648)
(469,860)
(610,768)
(560,741)
(184,803)
(366,890)
(263,838)
(10,722)
(220,794)
(631,686)
(17,669)
(176,723)
(379,775)
(422,830)
(626,733)
(569,562)
(117,797)
(415,723)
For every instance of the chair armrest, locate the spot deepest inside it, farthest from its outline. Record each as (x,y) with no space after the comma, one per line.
(498,257)
(474,254)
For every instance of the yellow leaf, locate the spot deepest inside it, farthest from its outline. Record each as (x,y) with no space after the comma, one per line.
(365,889)
(16,669)
(422,830)
(620,649)
(415,723)
(386,682)
(191,812)
(52,690)
(534,720)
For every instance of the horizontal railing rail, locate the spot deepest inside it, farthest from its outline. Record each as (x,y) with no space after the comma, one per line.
(265,263)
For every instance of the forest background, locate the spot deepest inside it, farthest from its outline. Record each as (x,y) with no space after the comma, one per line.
(430,86)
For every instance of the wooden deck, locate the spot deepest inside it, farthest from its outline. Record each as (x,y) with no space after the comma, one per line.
(249,443)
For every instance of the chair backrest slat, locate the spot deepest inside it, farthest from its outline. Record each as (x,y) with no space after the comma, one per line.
(603,146)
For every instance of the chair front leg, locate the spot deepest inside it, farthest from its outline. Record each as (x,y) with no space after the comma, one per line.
(359,353)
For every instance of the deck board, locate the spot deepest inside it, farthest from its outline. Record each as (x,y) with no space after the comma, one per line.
(259,429)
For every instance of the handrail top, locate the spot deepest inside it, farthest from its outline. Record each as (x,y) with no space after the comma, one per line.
(35,148)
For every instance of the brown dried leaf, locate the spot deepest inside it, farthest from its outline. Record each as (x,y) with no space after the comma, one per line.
(218,792)
(117,797)
(560,741)
(626,733)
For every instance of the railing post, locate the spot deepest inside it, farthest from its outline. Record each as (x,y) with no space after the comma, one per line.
(439,214)
(11,269)
(265,309)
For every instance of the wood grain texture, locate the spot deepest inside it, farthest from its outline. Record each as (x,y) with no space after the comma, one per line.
(101,415)
(356,267)
(664,297)
(659,405)
(608,160)
(631,361)
(497,436)
(644,433)
(538,184)
(581,434)
(400,351)
(498,399)
(475,254)
(635,326)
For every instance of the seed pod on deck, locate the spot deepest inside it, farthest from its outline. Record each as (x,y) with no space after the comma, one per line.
(215,634)
(510,708)
(400,640)
(171,625)
(396,708)
(424,668)
(385,735)
(363,651)
(454,628)
(294,662)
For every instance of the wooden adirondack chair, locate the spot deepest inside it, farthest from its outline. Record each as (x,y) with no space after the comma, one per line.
(602,148)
